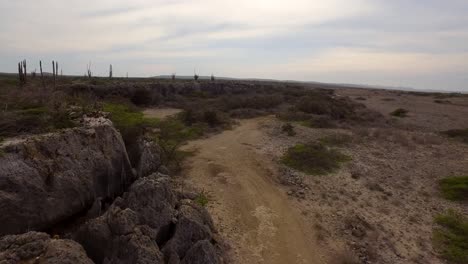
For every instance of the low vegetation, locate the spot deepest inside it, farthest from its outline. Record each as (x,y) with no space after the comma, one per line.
(128,120)
(337,139)
(460,134)
(450,237)
(314,158)
(202,199)
(400,112)
(455,188)
(288,129)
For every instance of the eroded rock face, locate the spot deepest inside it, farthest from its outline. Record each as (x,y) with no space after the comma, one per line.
(149,158)
(46,179)
(149,225)
(35,247)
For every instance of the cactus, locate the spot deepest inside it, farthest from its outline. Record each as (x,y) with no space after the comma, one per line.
(212,78)
(42,75)
(25,72)
(173,76)
(22,72)
(53,71)
(89,73)
(110,71)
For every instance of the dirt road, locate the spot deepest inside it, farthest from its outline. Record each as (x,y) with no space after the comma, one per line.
(248,207)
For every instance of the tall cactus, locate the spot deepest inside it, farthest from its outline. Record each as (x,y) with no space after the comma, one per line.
(25,72)
(22,72)
(110,71)
(42,75)
(53,72)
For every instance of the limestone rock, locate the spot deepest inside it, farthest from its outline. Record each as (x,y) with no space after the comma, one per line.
(48,178)
(35,247)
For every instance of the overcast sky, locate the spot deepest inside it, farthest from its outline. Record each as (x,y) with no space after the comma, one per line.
(419,43)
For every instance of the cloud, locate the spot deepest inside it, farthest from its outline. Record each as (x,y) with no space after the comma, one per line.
(333,40)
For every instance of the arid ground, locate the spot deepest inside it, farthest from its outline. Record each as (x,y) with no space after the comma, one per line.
(378,208)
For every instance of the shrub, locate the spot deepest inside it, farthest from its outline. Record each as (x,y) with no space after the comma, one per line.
(461,134)
(211,118)
(450,237)
(455,188)
(438,101)
(319,122)
(288,129)
(141,96)
(202,199)
(171,135)
(314,158)
(336,140)
(129,121)
(400,112)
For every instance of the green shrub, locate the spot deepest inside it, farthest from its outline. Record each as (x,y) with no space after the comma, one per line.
(212,118)
(450,237)
(129,121)
(314,158)
(336,140)
(171,134)
(461,134)
(288,129)
(319,122)
(202,199)
(455,188)
(400,112)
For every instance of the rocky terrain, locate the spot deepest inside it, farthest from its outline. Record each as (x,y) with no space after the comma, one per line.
(79,184)
(162,171)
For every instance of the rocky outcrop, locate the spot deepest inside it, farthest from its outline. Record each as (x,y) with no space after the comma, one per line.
(149,158)
(34,247)
(149,225)
(48,178)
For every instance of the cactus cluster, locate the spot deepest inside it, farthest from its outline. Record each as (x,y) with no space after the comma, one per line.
(22,72)
(89,73)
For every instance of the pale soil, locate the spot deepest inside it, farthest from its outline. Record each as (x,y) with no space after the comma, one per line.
(250,210)
(161,113)
(424,113)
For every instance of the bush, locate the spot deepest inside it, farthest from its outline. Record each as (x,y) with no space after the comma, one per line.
(129,121)
(171,134)
(211,118)
(400,112)
(450,237)
(455,188)
(336,140)
(288,129)
(319,122)
(142,96)
(314,158)
(461,134)
(202,199)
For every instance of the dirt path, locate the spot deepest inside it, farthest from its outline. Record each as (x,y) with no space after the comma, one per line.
(248,207)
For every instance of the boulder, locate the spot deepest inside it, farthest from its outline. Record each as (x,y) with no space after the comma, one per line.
(130,230)
(193,224)
(149,158)
(48,178)
(35,247)
(203,252)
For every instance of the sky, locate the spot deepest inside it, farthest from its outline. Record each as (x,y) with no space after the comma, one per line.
(421,44)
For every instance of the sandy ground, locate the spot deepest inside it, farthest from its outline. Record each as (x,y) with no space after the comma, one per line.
(378,208)
(161,113)
(251,211)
